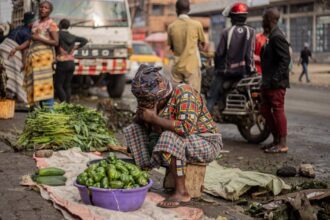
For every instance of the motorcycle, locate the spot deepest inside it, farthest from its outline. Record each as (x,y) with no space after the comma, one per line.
(242,106)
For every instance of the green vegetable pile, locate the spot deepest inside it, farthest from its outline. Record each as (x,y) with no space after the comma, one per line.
(68,125)
(113,173)
(50,176)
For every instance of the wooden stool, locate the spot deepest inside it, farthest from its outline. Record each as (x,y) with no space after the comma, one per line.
(195,174)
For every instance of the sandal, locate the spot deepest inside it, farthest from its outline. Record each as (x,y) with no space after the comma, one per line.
(267,146)
(171,203)
(277,149)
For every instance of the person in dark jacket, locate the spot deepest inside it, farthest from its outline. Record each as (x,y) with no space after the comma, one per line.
(65,65)
(305,54)
(234,56)
(275,61)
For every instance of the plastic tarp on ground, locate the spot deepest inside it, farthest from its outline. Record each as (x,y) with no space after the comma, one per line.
(231,183)
(67,199)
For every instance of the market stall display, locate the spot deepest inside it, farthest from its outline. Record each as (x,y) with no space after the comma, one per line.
(113,184)
(113,173)
(68,125)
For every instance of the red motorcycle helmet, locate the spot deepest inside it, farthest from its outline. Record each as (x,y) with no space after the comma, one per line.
(237,8)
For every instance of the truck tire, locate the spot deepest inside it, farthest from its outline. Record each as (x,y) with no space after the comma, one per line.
(116,85)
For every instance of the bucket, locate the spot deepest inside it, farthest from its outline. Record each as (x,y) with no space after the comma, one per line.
(7,108)
(124,200)
(127,160)
(84,193)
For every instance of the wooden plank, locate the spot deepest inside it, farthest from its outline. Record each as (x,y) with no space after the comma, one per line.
(195,179)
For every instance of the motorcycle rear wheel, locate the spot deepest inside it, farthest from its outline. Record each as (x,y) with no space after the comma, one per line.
(246,130)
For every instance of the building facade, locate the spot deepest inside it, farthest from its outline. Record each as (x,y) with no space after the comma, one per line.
(5,9)
(153,16)
(303,21)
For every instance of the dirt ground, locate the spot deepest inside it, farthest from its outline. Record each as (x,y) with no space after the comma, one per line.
(18,202)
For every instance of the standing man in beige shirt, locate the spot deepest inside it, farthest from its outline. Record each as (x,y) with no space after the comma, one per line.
(185,37)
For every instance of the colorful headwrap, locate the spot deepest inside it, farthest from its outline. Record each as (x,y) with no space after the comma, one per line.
(150,86)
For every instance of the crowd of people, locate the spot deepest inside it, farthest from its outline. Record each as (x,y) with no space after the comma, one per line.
(173,125)
(33,52)
(240,53)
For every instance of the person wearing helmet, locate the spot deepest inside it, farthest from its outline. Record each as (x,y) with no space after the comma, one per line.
(234,55)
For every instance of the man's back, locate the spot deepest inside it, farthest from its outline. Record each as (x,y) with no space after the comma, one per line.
(183,37)
(20,34)
(235,52)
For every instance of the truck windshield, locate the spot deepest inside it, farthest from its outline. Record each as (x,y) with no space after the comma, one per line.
(92,13)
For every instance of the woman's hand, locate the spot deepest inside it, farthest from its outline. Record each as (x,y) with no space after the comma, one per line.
(149,115)
(12,53)
(76,47)
(36,37)
(138,116)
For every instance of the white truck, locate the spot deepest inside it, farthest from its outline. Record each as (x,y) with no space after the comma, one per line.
(106,24)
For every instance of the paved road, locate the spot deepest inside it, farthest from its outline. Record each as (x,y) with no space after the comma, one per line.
(309,137)
(308,114)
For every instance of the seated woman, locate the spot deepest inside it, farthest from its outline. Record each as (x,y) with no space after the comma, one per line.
(172,127)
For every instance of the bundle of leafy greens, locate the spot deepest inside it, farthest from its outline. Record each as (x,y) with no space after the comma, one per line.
(68,125)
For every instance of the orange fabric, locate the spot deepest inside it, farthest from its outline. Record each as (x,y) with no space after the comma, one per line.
(44,28)
(261,39)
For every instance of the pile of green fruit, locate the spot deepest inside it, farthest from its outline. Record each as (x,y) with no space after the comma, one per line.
(113,173)
(50,176)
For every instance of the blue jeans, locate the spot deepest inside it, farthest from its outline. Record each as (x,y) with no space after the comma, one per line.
(48,103)
(304,72)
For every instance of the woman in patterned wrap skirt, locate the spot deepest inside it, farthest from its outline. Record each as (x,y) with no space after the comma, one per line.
(40,58)
(172,127)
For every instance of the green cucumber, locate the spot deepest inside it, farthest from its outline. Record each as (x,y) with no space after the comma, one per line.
(50,180)
(50,171)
